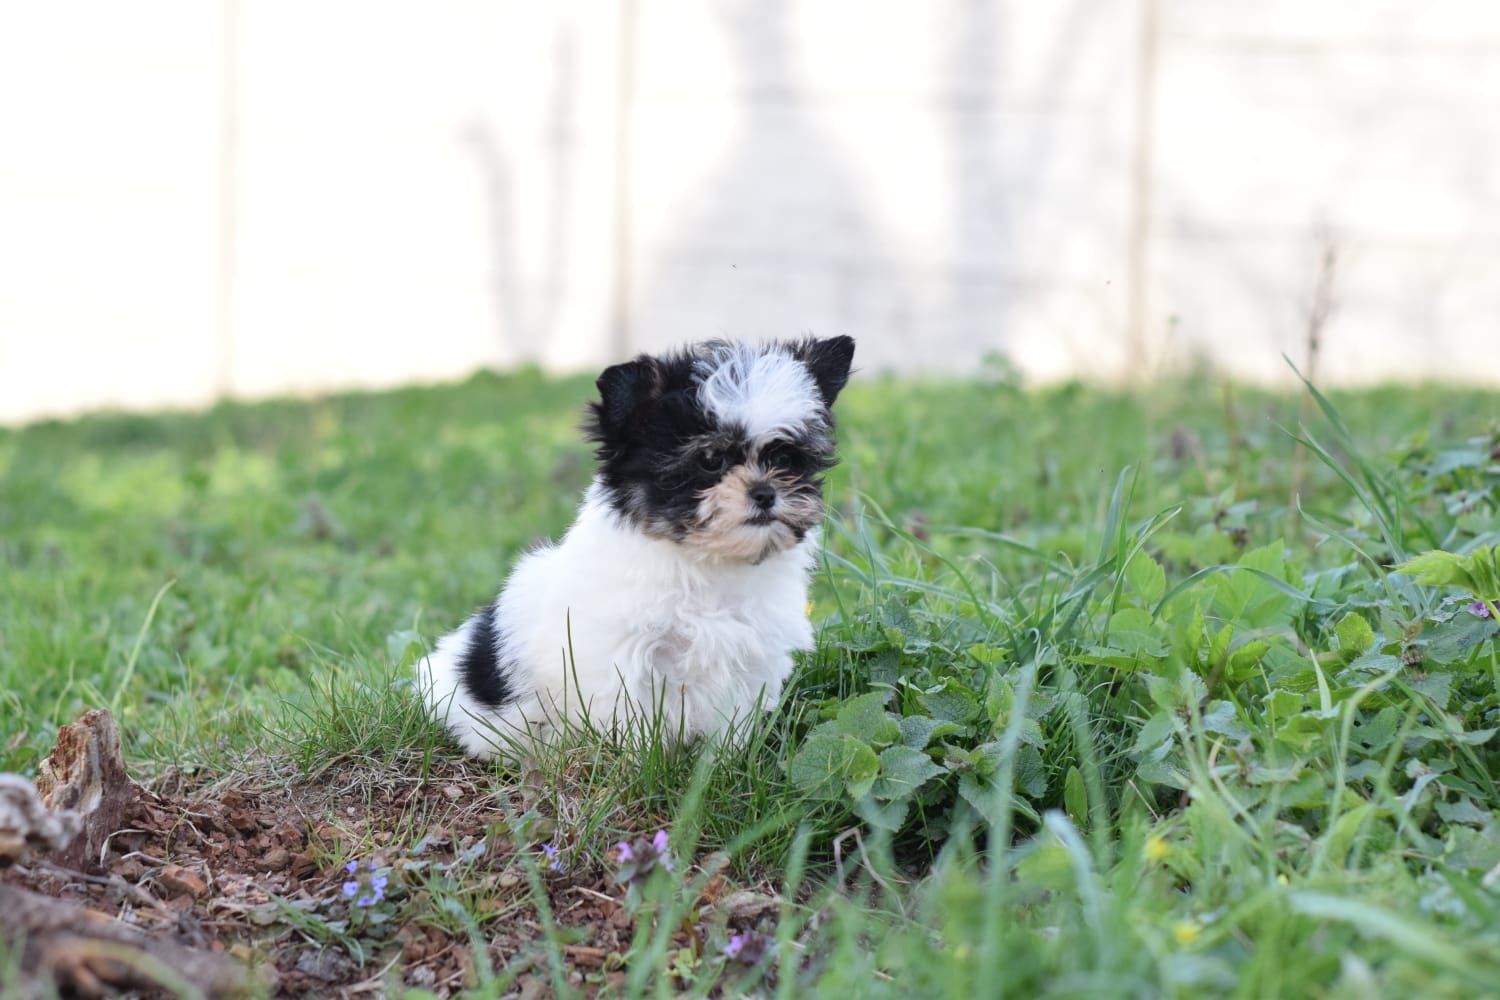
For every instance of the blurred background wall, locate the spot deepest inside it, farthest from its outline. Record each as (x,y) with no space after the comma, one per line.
(202,198)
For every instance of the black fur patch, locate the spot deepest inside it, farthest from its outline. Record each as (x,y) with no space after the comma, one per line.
(480,667)
(828,361)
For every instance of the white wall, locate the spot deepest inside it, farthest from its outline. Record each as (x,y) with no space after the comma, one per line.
(259,196)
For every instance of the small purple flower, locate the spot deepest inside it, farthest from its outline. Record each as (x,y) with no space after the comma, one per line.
(640,857)
(367,888)
(659,845)
(747,948)
(553,861)
(1479,609)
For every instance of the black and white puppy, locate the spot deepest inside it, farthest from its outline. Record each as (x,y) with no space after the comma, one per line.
(683,582)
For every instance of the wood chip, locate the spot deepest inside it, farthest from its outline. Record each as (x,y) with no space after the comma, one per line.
(177,880)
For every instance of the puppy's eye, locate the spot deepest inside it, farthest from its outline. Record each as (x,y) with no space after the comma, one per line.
(710,460)
(778,455)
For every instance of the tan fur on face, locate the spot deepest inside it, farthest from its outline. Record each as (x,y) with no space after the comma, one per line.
(725,509)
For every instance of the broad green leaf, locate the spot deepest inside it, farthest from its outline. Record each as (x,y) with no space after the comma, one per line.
(865,718)
(1454,641)
(1162,772)
(1245,661)
(1220,717)
(951,702)
(1354,634)
(1478,737)
(1478,572)
(987,655)
(1463,811)
(1435,568)
(1339,839)
(980,793)
(830,764)
(1282,703)
(1157,730)
(999,697)
(1438,687)
(917,731)
(1306,729)
(1147,579)
(902,771)
(1031,774)
(1377,732)
(883,815)
(1075,796)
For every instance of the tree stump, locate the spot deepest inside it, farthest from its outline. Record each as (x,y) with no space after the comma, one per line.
(80,799)
(85,774)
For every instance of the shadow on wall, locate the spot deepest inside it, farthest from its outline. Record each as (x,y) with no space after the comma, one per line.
(1006,167)
(789,234)
(778,241)
(527,306)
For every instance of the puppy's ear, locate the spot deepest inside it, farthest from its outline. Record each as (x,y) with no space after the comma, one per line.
(828,361)
(623,390)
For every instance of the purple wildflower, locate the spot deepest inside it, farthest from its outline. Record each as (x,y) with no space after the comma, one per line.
(659,845)
(367,888)
(747,948)
(553,861)
(640,857)
(376,892)
(1479,609)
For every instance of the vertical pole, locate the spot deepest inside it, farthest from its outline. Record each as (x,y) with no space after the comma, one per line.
(1141,194)
(620,340)
(228,142)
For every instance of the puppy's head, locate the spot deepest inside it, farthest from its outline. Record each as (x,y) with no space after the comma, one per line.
(721,447)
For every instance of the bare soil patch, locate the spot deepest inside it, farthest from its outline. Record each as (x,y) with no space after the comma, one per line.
(254,867)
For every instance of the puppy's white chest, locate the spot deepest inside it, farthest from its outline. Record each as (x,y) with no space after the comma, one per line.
(698,635)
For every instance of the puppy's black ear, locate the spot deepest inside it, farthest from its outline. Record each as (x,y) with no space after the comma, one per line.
(828,361)
(623,390)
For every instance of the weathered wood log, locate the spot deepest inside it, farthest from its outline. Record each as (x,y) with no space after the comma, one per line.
(85,773)
(81,795)
(26,824)
(92,954)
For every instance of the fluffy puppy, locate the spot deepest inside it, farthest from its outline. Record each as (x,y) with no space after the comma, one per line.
(682,585)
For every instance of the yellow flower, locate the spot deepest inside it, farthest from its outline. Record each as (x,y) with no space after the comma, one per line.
(1155,849)
(1185,932)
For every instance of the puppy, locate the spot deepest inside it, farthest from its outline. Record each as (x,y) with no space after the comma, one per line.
(682,585)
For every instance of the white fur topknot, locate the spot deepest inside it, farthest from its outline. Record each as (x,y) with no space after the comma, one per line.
(765,391)
(633,622)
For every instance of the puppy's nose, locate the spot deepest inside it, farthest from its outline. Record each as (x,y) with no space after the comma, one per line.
(763,495)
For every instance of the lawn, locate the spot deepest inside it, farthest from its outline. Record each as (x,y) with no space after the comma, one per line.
(1116,694)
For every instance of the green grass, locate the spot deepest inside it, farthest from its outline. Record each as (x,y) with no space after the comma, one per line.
(1119,690)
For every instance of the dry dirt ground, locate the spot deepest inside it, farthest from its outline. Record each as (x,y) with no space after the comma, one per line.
(254,867)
